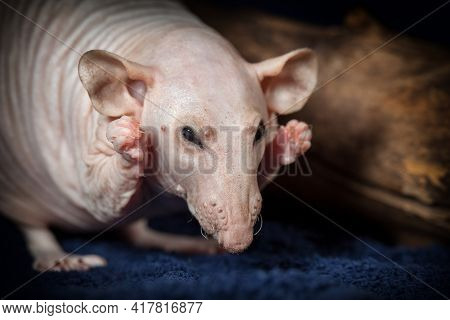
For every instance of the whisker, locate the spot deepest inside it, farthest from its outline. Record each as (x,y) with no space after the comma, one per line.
(260,225)
(203,233)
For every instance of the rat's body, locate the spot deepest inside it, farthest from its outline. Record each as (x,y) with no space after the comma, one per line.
(71,160)
(46,112)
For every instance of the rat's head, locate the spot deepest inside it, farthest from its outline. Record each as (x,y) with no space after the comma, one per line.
(209,115)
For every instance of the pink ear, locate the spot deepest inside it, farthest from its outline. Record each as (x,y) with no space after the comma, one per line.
(115,85)
(288,80)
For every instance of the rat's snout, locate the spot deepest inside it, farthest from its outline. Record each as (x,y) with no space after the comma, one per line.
(236,239)
(227,208)
(235,227)
(230,222)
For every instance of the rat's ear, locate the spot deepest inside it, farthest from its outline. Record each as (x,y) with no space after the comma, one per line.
(115,85)
(288,81)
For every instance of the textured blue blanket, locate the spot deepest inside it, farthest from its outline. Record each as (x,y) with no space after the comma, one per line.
(285,261)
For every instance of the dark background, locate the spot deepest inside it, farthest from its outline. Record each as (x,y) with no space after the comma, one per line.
(395,15)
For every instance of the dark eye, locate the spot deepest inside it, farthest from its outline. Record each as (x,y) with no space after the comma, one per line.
(260,132)
(189,134)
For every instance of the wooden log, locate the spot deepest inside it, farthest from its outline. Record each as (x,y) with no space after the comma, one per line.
(380,114)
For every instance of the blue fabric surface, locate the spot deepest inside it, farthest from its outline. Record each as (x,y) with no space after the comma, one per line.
(285,261)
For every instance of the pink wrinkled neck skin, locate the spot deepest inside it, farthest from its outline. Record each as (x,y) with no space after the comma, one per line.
(77,154)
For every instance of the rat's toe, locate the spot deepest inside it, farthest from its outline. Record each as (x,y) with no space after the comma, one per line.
(93,260)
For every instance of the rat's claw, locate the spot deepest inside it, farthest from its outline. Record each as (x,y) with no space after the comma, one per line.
(124,134)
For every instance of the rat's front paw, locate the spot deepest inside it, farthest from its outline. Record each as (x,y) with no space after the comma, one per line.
(68,263)
(124,134)
(293,140)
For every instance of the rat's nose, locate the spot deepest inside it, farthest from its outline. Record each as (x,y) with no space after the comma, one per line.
(236,239)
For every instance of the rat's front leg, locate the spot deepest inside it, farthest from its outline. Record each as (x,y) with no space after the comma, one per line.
(141,236)
(290,141)
(49,256)
(112,162)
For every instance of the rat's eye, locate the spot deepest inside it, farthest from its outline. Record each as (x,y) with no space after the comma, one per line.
(260,132)
(189,134)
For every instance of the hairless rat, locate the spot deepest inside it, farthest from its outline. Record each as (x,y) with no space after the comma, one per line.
(100,98)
